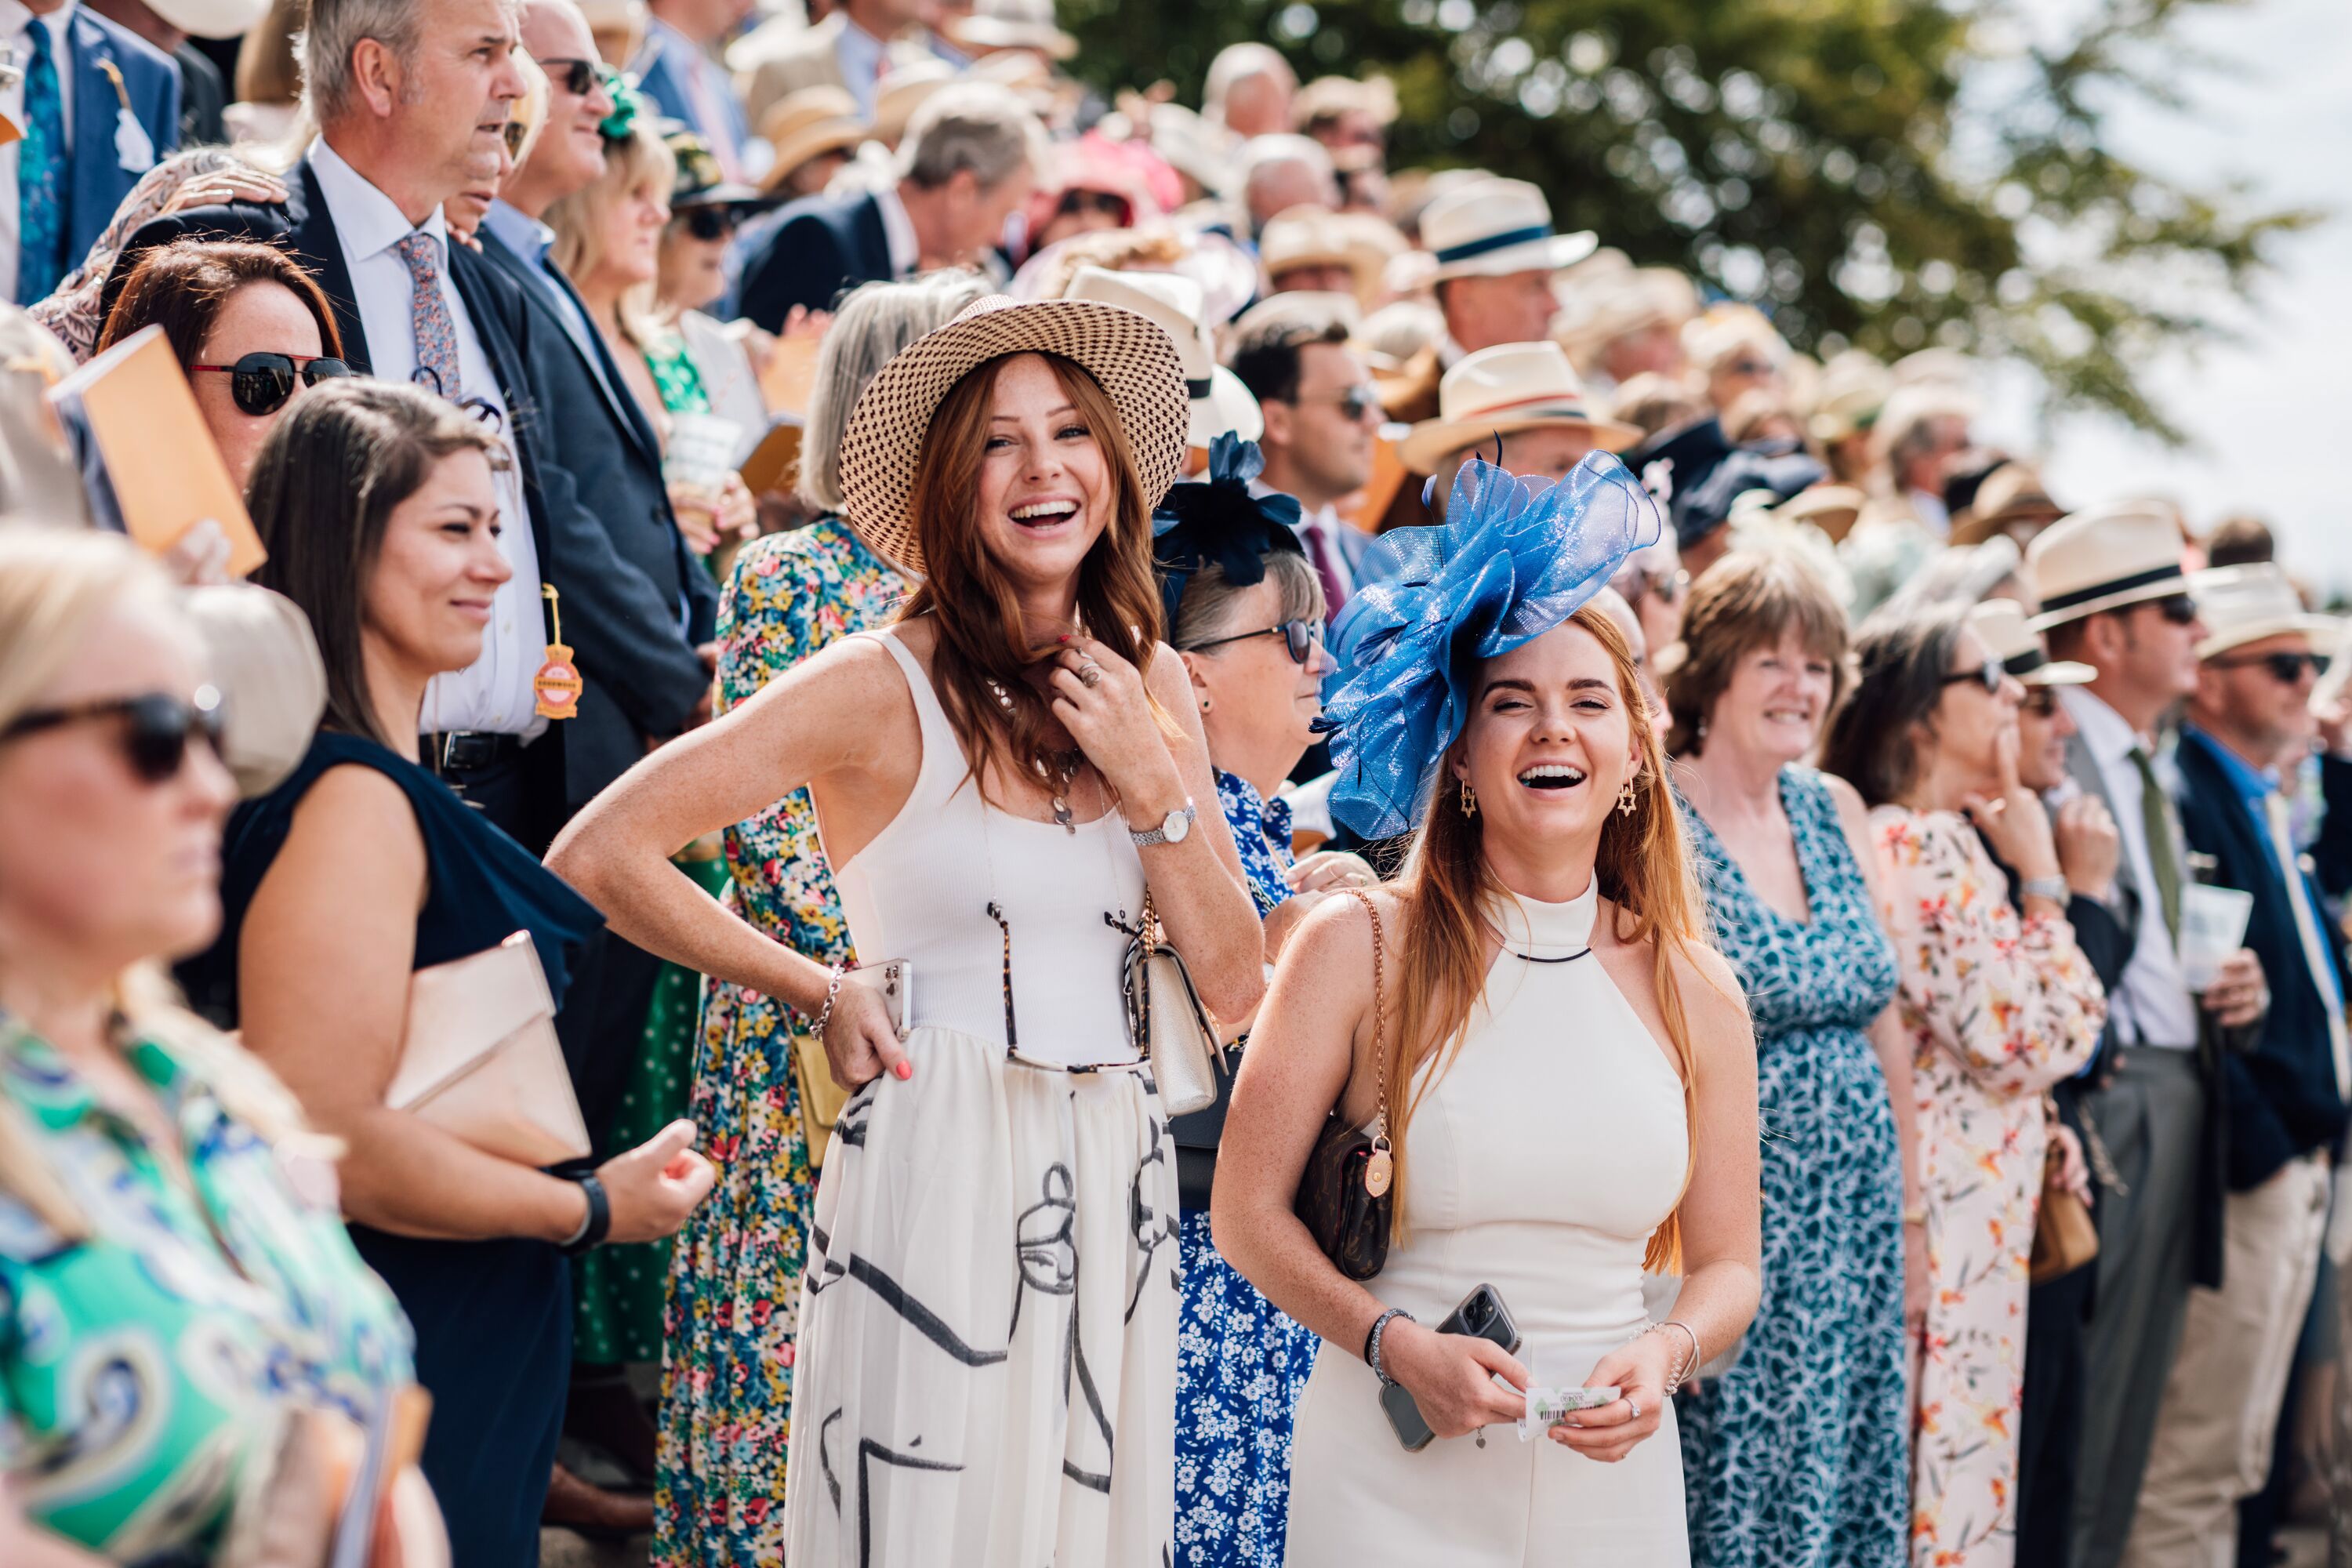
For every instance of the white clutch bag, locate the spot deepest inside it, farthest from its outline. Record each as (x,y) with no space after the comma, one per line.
(480,1060)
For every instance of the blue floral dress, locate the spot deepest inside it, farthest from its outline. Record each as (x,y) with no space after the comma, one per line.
(1798,1456)
(1241,1365)
(735,1269)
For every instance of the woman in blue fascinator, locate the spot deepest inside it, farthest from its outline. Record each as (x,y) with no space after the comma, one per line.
(1556,1069)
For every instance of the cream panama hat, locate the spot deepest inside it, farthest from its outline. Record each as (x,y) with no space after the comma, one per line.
(1014,25)
(1999,625)
(212,18)
(1491,228)
(1508,387)
(2240,604)
(1221,404)
(806,124)
(1308,235)
(1128,355)
(2104,559)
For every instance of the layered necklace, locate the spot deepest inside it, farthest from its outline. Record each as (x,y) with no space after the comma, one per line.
(1059,776)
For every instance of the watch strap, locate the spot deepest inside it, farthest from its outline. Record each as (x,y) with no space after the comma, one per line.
(2053,889)
(1145,840)
(599,1223)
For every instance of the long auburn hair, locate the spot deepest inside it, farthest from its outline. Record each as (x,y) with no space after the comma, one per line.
(1644,867)
(969,597)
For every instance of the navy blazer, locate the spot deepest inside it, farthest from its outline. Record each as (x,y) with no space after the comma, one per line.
(151,82)
(2283,1096)
(662,67)
(810,252)
(623,629)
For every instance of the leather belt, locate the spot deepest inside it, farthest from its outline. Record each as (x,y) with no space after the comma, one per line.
(469,751)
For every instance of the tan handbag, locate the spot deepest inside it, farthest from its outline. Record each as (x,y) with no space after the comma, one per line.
(822,1099)
(480,1060)
(2066,1237)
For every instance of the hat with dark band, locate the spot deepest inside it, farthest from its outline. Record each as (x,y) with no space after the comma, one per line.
(1999,625)
(2106,558)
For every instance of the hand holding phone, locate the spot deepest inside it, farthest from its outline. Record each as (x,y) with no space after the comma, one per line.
(1445,1376)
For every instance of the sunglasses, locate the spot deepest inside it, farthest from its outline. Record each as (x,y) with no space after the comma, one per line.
(2286,669)
(708,222)
(577,78)
(1299,636)
(155,733)
(2042,701)
(2178,608)
(1353,403)
(262,382)
(1105,203)
(1989,677)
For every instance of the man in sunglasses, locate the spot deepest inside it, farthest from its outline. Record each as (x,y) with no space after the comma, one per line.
(1322,420)
(2113,597)
(2248,728)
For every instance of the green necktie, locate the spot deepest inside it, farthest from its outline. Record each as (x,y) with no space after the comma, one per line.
(2157,824)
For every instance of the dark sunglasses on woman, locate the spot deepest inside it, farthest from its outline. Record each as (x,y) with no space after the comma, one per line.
(1989,677)
(155,733)
(2286,668)
(262,382)
(1299,638)
(710,223)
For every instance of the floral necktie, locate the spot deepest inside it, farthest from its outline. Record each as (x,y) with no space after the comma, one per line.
(41,190)
(435,334)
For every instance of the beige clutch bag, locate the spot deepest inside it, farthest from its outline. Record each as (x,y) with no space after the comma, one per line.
(481,1061)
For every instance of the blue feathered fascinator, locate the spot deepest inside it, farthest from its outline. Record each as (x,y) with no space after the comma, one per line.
(1513,558)
(1217,523)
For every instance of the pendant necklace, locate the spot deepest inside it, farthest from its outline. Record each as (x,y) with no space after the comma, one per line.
(1065,764)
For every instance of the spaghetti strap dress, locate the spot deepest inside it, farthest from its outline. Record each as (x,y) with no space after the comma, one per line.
(1499,1192)
(986,1373)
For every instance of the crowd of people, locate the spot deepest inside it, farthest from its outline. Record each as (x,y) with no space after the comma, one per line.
(863,660)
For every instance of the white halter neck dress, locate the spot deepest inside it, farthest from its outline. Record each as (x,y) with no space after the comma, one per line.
(1539,1163)
(986,1369)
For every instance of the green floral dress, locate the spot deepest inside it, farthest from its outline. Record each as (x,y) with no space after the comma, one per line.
(735,1278)
(142,1371)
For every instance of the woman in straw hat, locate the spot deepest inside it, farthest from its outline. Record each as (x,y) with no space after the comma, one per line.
(987,1354)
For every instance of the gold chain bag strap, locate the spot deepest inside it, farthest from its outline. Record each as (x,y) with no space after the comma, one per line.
(1343,1195)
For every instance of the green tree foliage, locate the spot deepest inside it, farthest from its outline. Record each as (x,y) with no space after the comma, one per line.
(1887,174)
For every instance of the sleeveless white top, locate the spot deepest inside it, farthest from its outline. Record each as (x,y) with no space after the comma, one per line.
(921,892)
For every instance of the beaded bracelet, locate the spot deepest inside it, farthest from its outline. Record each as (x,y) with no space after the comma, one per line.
(1690,1364)
(1372,1340)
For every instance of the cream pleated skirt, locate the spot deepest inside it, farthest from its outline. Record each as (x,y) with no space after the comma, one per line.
(986,1371)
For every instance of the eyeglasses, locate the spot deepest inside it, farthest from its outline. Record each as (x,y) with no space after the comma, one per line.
(263,380)
(2285,668)
(1299,636)
(1989,677)
(2178,608)
(710,223)
(1105,202)
(1353,403)
(578,78)
(156,733)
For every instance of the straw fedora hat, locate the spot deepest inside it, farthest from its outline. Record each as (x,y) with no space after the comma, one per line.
(1128,355)
(2001,625)
(212,18)
(904,90)
(1221,404)
(2240,604)
(1316,237)
(2104,558)
(1491,228)
(2011,498)
(807,124)
(1508,387)
(1833,509)
(1014,25)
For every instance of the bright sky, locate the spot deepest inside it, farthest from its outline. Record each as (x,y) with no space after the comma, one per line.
(2270,416)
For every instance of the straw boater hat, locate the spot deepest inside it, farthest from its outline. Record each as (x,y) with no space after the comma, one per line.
(2104,558)
(1221,404)
(1491,228)
(808,124)
(2001,625)
(1508,387)
(1128,354)
(2240,604)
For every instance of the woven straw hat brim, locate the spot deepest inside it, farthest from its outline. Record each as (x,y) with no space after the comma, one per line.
(1127,353)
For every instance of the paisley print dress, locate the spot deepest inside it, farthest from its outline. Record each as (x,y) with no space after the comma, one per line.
(1997,1010)
(735,1269)
(1797,1457)
(1241,1362)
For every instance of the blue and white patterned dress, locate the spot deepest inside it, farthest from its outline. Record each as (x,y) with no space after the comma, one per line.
(1240,1363)
(1799,1456)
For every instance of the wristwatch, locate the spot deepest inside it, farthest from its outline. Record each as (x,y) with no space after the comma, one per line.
(1172,829)
(598,1223)
(2053,889)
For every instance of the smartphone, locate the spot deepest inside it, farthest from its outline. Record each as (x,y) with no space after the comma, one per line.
(1480,1316)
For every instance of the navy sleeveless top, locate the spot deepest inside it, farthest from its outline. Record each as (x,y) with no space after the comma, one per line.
(481,887)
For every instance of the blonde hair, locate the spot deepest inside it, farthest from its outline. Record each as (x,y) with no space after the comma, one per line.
(55,585)
(1643,866)
(637,159)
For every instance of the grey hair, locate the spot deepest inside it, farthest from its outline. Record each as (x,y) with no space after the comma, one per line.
(1901,660)
(1237,63)
(323,49)
(1260,154)
(1206,610)
(872,323)
(974,125)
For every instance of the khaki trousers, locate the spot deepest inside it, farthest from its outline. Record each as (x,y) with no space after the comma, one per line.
(2220,1414)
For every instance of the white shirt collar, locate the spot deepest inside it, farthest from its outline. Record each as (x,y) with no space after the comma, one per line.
(899,232)
(16,17)
(2107,733)
(367,222)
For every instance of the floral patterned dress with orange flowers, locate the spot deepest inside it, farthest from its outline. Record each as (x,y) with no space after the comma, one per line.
(1999,1009)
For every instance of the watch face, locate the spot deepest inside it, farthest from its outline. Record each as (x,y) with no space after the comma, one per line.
(1176,827)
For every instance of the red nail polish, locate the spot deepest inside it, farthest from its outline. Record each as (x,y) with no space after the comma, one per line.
(904,1070)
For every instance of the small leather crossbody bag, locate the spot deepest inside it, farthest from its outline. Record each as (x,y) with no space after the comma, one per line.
(1343,1195)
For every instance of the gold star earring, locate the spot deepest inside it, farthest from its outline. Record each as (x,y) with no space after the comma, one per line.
(1469,799)
(1626,799)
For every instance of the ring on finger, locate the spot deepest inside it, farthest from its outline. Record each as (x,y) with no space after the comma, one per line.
(1090,674)
(1635,1407)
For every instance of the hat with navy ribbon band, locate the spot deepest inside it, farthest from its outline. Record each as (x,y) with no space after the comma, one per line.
(1490,228)
(1515,558)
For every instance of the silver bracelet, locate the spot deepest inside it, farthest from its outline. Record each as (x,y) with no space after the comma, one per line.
(1373,1341)
(1690,1364)
(832,994)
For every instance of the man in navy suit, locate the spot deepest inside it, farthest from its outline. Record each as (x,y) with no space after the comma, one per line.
(97,107)
(676,70)
(971,156)
(2249,724)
